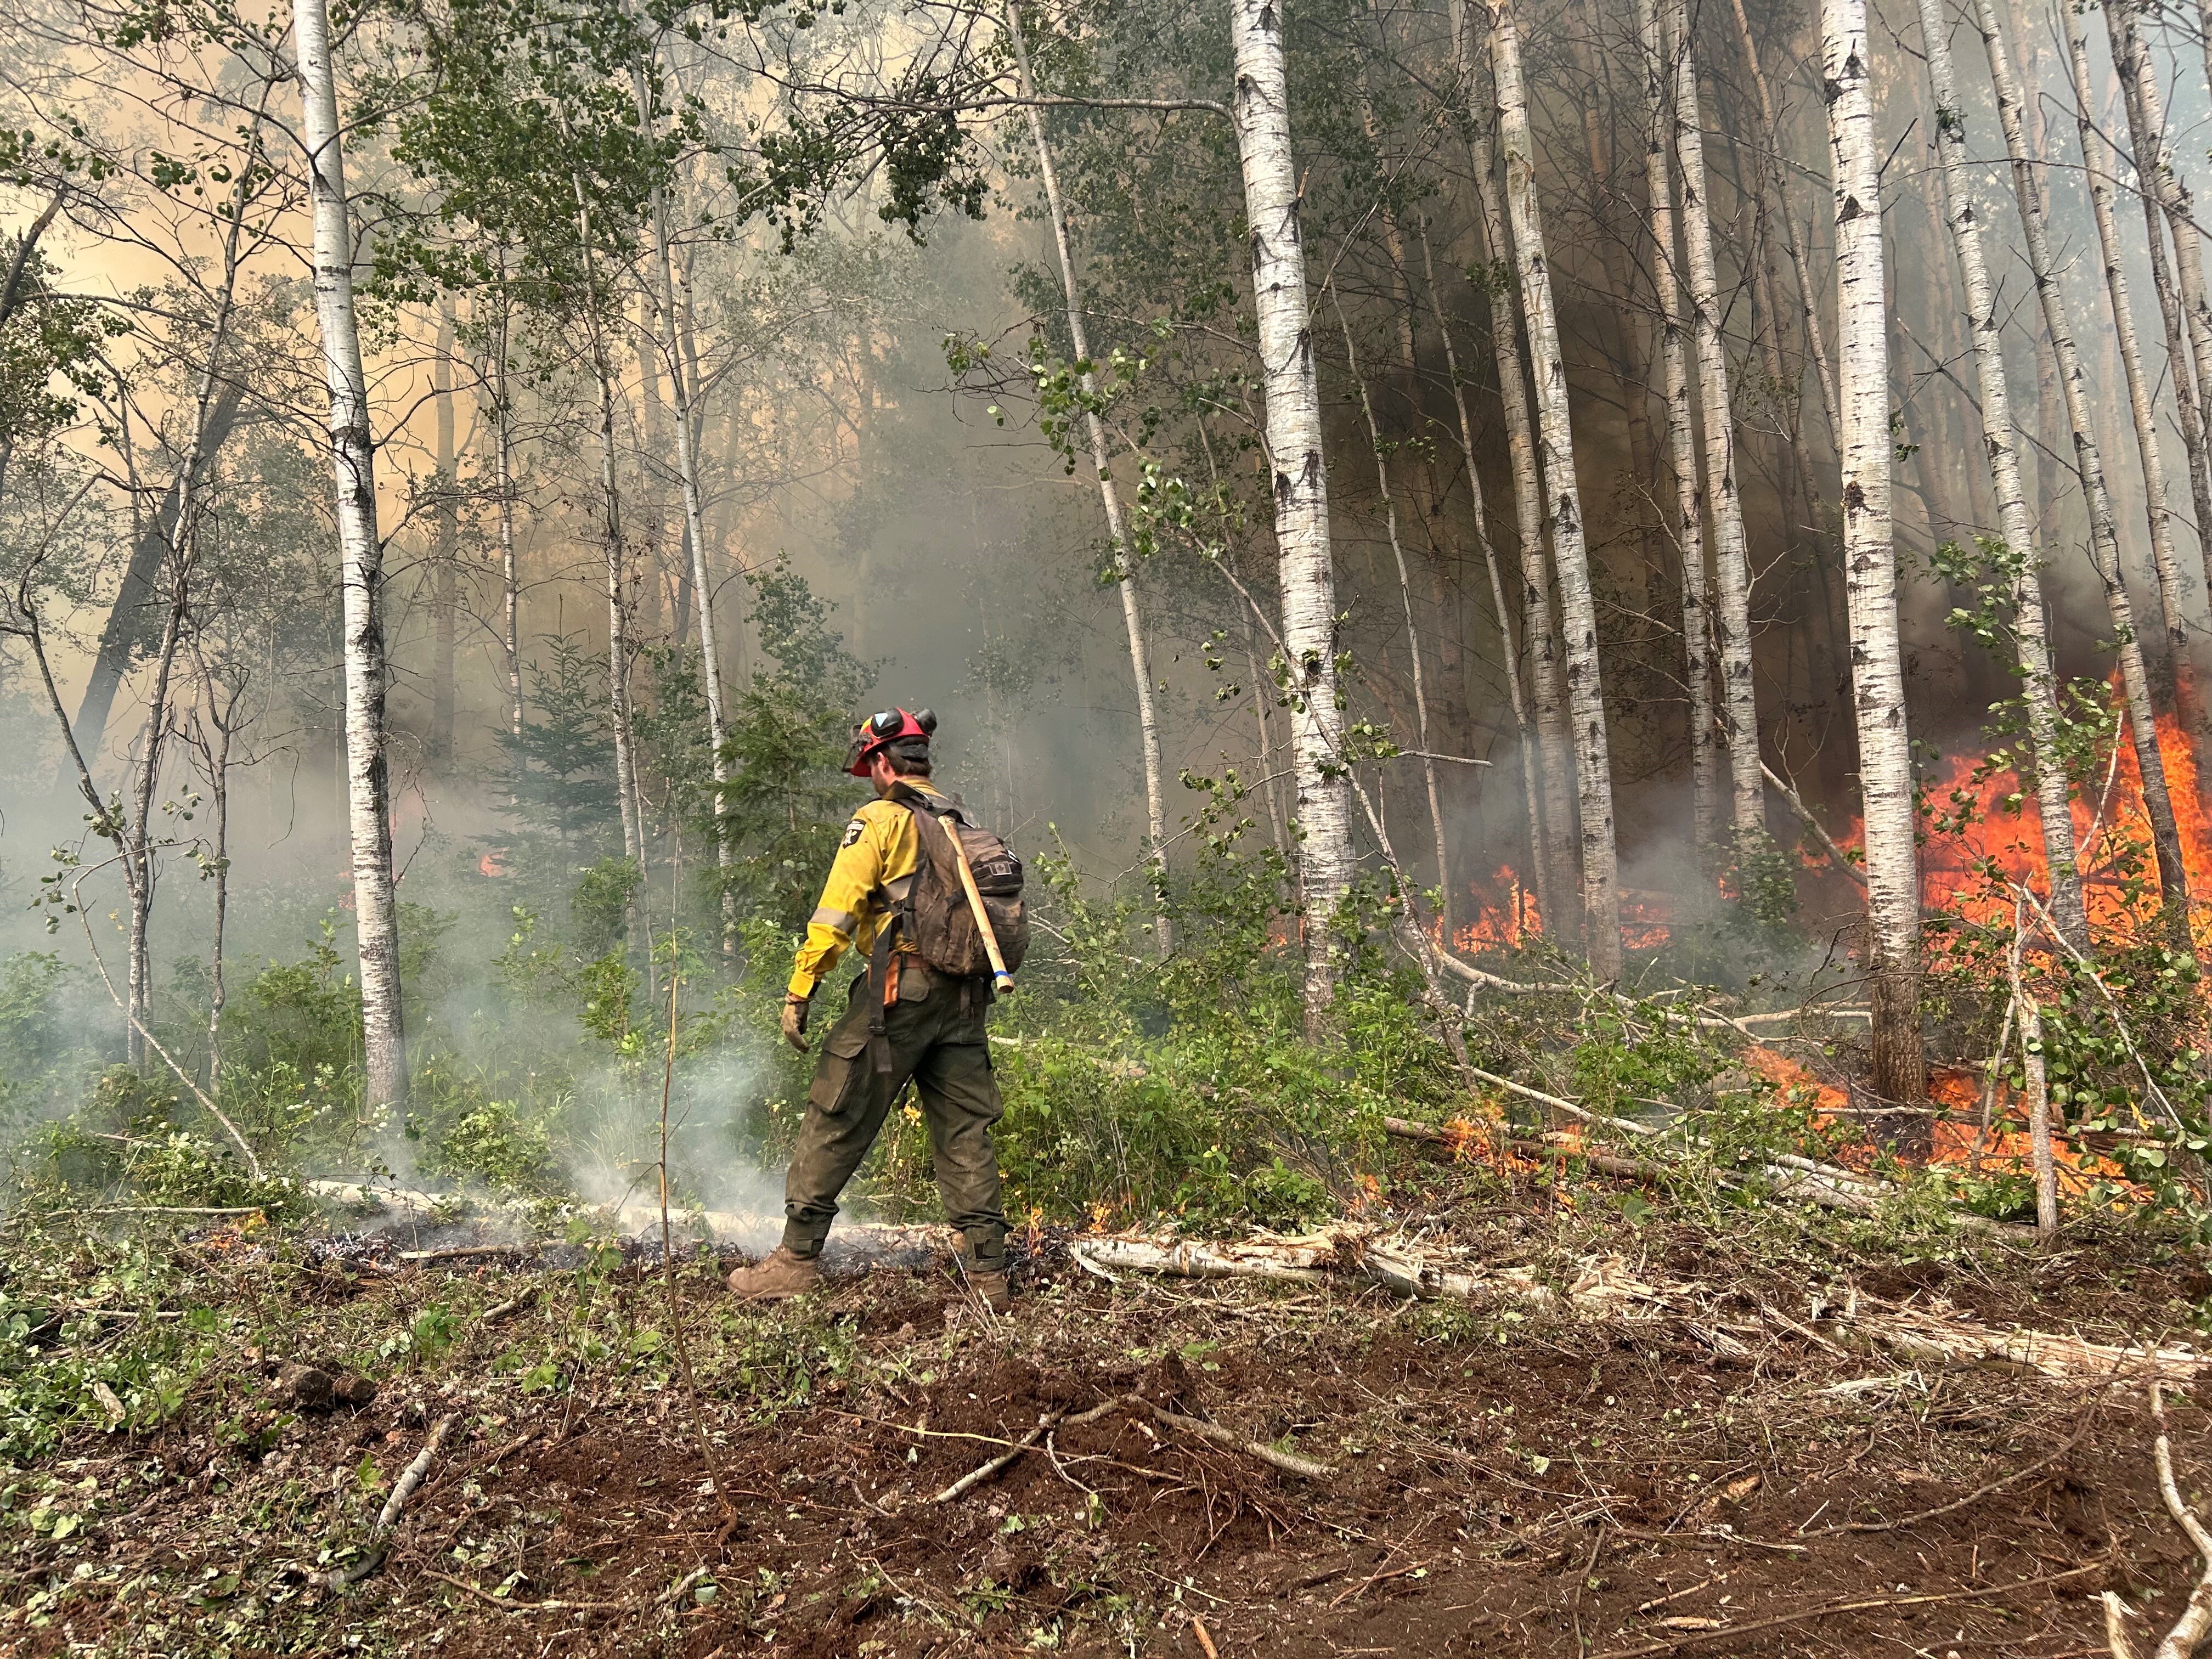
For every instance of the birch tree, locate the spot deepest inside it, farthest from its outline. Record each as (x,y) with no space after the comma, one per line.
(1306,574)
(669,340)
(1551,851)
(2101,157)
(446,552)
(2161,177)
(1601,900)
(1689,522)
(2038,685)
(376,911)
(1094,429)
(1731,617)
(2104,536)
(1869,560)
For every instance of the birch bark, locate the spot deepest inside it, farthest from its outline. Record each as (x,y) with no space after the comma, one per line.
(1306,571)
(2040,686)
(444,576)
(1552,855)
(510,582)
(2104,536)
(353,457)
(1870,561)
(1133,616)
(2100,158)
(1681,444)
(2155,166)
(1731,619)
(1601,900)
(670,343)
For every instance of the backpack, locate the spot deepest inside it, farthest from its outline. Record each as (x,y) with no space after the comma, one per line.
(938,919)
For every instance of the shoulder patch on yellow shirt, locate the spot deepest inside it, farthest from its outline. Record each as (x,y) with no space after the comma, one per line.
(852,832)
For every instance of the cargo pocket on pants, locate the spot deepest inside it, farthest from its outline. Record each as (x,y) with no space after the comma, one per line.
(844,1065)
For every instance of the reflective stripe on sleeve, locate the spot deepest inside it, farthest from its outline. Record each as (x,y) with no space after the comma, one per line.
(837,921)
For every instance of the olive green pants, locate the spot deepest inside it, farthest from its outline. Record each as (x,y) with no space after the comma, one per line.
(937,1039)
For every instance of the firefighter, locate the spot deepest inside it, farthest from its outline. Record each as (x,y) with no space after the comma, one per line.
(932,1031)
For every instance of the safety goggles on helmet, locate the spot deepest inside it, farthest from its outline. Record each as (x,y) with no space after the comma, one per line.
(889,726)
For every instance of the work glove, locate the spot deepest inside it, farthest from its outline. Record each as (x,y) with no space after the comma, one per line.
(794,1022)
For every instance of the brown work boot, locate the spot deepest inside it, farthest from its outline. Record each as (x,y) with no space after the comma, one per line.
(777,1276)
(989,1289)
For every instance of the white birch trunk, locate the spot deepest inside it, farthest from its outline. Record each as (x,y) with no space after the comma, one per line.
(445,578)
(376,911)
(1133,616)
(1689,522)
(2160,176)
(1552,854)
(510,577)
(2040,687)
(1601,900)
(1306,569)
(2102,159)
(671,345)
(1731,617)
(2104,535)
(1869,560)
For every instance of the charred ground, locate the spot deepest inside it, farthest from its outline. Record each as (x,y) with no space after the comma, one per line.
(1505,1481)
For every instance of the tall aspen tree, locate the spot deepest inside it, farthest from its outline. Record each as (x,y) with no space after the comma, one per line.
(1552,855)
(1306,571)
(445,574)
(1869,560)
(1132,615)
(2161,177)
(2104,535)
(615,554)
(1600,896)
(668,341)
(1681,445)
(2040,686)
(353,458)
(2099,157)
(1731,617)
(502,459)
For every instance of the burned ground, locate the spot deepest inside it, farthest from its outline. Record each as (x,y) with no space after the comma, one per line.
(1503,1481)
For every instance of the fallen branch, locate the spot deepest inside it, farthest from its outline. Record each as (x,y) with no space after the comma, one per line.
(2195,1619)
(411,1476)
(975,1477)
(1605,1287)
(1796,802)
(1220,1437)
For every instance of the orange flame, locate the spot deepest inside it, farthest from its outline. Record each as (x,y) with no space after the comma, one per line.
(1986,831)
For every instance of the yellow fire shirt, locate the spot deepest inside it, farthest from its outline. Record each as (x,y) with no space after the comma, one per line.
(880,848)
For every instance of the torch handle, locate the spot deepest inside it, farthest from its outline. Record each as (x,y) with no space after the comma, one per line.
(1000,977)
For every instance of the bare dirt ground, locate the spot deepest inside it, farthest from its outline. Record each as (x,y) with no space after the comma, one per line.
(1504,1482)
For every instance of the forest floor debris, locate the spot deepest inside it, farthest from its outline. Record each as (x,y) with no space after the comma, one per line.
(1642,1440)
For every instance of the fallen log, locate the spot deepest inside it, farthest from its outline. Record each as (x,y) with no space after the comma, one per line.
(1607,1287)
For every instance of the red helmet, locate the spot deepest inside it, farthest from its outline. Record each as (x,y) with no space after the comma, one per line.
(887,728)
